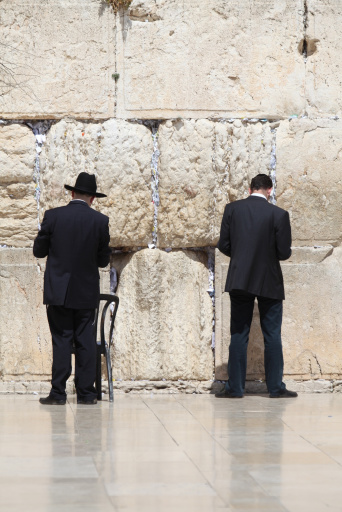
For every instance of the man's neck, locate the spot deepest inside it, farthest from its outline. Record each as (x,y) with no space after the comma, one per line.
(82,197)
(80,200)
(259,194)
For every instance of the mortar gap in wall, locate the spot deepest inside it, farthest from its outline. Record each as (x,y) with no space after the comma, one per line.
(40,129)
(153,125)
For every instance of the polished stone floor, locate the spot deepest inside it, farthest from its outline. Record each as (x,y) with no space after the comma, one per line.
(172,453)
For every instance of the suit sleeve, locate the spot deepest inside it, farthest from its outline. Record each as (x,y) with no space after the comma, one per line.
(103,252)
(224,241)
(283,237)
(41,244)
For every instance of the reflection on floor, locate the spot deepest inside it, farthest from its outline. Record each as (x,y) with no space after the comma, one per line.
(172,453)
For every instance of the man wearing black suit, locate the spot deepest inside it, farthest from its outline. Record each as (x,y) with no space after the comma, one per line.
(256,235)
(75,239)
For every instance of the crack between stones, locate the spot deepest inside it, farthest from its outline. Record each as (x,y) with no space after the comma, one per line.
(40,129)
(211,292)
(305,53)
(273,166)
(115,76)
(329,253)
(305,26)
(319,366)
(153,126)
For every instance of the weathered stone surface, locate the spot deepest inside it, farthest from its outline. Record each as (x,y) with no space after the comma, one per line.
(306,386)
(25,342)
(162,387)
(29,387)
(203,165)
(214,58)
(324,61)
(312,318)
(58,59)
(310,255)
(171,387)
(19,217)
(309,179)
(312,323)
(119,154)
(164,322)
(312,386)
(222,316)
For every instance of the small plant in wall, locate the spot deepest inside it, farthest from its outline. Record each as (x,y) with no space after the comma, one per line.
(117,4)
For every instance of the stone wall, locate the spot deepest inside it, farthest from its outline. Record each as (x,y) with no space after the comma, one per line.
(174,105)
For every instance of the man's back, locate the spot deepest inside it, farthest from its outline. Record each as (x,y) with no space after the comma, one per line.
(75,239)
(256,235)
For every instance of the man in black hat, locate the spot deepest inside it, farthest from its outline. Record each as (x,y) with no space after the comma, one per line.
(75,239)
(256,235)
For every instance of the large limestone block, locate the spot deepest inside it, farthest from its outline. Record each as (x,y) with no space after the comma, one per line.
(119,154)
(324,61)
(25,342)
(18,217)
(312,322)
(197,58)
(164,322)
(309,178)
(312,332)
(204,165)
(57,59)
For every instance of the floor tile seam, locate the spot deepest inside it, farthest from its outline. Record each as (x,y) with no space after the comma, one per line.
(76,430)
(162,424)
(108,497)
(217,442)
(312,444)
(321,451)
(229,453)
(249,472)
(207,431)
(301,437)
(268,492)
(187,455)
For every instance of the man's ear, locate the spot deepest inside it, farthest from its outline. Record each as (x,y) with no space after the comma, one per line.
(92,199)
(72,194)
(250,190)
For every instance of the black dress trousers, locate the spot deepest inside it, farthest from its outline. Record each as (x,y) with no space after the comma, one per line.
(68,325)
(271,313)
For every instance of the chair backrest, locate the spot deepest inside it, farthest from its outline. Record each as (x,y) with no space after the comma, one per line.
(108,299)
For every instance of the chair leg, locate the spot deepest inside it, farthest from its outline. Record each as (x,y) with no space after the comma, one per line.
(98,384)
(109,374)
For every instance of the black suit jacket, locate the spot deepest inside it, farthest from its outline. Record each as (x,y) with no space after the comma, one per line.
(256,235)
(75,239)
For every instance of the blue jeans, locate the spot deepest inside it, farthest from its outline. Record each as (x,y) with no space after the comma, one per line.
(271,314)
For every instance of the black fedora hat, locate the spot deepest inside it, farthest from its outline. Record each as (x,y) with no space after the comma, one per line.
(85,184)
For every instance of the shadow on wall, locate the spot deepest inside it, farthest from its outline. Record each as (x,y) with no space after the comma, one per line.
(103,6)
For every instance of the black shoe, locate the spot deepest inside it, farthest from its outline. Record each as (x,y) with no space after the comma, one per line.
(284,393)
(227,394)
(91,401)
(51,401)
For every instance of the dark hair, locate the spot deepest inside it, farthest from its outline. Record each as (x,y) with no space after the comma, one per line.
(261,181)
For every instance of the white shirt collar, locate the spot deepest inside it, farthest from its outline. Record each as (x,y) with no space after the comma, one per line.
(83,201)
(258,195)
